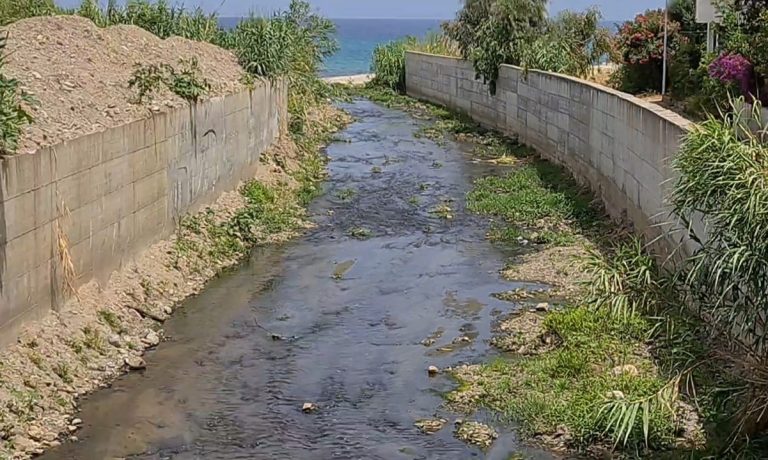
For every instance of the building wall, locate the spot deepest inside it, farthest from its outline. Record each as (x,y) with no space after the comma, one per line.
(100,199)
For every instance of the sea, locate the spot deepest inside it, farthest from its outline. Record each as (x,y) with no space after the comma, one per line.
(359,37)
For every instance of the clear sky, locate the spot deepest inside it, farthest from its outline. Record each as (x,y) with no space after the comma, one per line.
(612,9)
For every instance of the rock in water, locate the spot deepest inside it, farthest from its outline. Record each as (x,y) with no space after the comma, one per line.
(135,363)
(308,407)
(433,370)
(430,426)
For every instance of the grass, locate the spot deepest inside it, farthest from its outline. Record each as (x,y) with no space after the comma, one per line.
(567,387)
(93,339)
(111,319)
(538,201)
(14,103)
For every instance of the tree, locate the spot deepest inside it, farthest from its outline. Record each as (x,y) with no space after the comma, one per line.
(495,32)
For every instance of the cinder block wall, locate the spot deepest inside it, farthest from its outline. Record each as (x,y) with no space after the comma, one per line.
(114,193)
(617,144)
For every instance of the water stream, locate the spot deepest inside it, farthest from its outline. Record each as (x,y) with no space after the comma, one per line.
(353,313)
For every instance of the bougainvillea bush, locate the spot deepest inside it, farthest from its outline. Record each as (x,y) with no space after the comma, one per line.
(736,72)
(640,43)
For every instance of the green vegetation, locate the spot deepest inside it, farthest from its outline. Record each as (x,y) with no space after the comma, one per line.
(388,65)
(537,201)
(13,10)
(494,32)
(599,360)
(13,107)
(187,82)
(571,43)
(722,166)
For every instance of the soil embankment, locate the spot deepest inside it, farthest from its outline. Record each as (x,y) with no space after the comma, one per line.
(79,74)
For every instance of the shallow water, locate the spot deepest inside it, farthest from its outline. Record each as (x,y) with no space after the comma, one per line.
(352,313)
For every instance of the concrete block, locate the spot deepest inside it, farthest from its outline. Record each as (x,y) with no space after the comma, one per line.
(27,251)
(22,173)
(27,212)
(87,186)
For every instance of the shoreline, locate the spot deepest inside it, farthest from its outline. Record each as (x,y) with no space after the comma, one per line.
(358,79)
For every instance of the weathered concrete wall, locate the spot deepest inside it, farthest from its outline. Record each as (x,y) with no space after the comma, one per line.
(617,144)
(113,193)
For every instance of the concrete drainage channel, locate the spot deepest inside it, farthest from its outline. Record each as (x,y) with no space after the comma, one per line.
(320,348)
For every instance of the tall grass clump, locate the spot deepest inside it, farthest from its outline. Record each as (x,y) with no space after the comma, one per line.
(292,44)
(13,112)
(13,10)
(388,64)
(722,166)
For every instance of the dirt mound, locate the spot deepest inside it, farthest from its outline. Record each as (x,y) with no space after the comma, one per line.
(79,73)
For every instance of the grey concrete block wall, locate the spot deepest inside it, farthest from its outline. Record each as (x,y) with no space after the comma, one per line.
(113,193)
(617,144)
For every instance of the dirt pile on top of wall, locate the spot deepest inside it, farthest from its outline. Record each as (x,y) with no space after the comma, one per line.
(79,74)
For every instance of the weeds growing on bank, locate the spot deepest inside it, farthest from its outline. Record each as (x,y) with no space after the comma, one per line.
(187,82)
(13,107)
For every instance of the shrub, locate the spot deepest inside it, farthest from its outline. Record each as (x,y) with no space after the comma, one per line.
(734,70)
(721,166)
(187,83)
(744,31)
(495,32)
(13,114)
(572,43)
(640,44)
(147,79)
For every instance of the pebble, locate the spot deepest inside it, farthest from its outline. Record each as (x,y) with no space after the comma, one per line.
(308,407)
(135,363)
(615,394)
(72,428)
(167,310)
(77,421)
(115,340)
(542,307)
(433,370)
(73,439)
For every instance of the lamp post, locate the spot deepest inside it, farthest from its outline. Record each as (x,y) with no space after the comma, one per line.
(666,54)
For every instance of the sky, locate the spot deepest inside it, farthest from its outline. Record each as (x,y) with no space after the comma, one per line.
(423,9)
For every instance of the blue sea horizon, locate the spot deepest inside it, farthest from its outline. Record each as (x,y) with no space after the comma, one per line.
(359,37)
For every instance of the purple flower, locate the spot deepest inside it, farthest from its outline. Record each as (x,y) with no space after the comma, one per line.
(734,69)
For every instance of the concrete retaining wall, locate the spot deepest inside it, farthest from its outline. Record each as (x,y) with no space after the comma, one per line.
(113,193)
(617,144)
